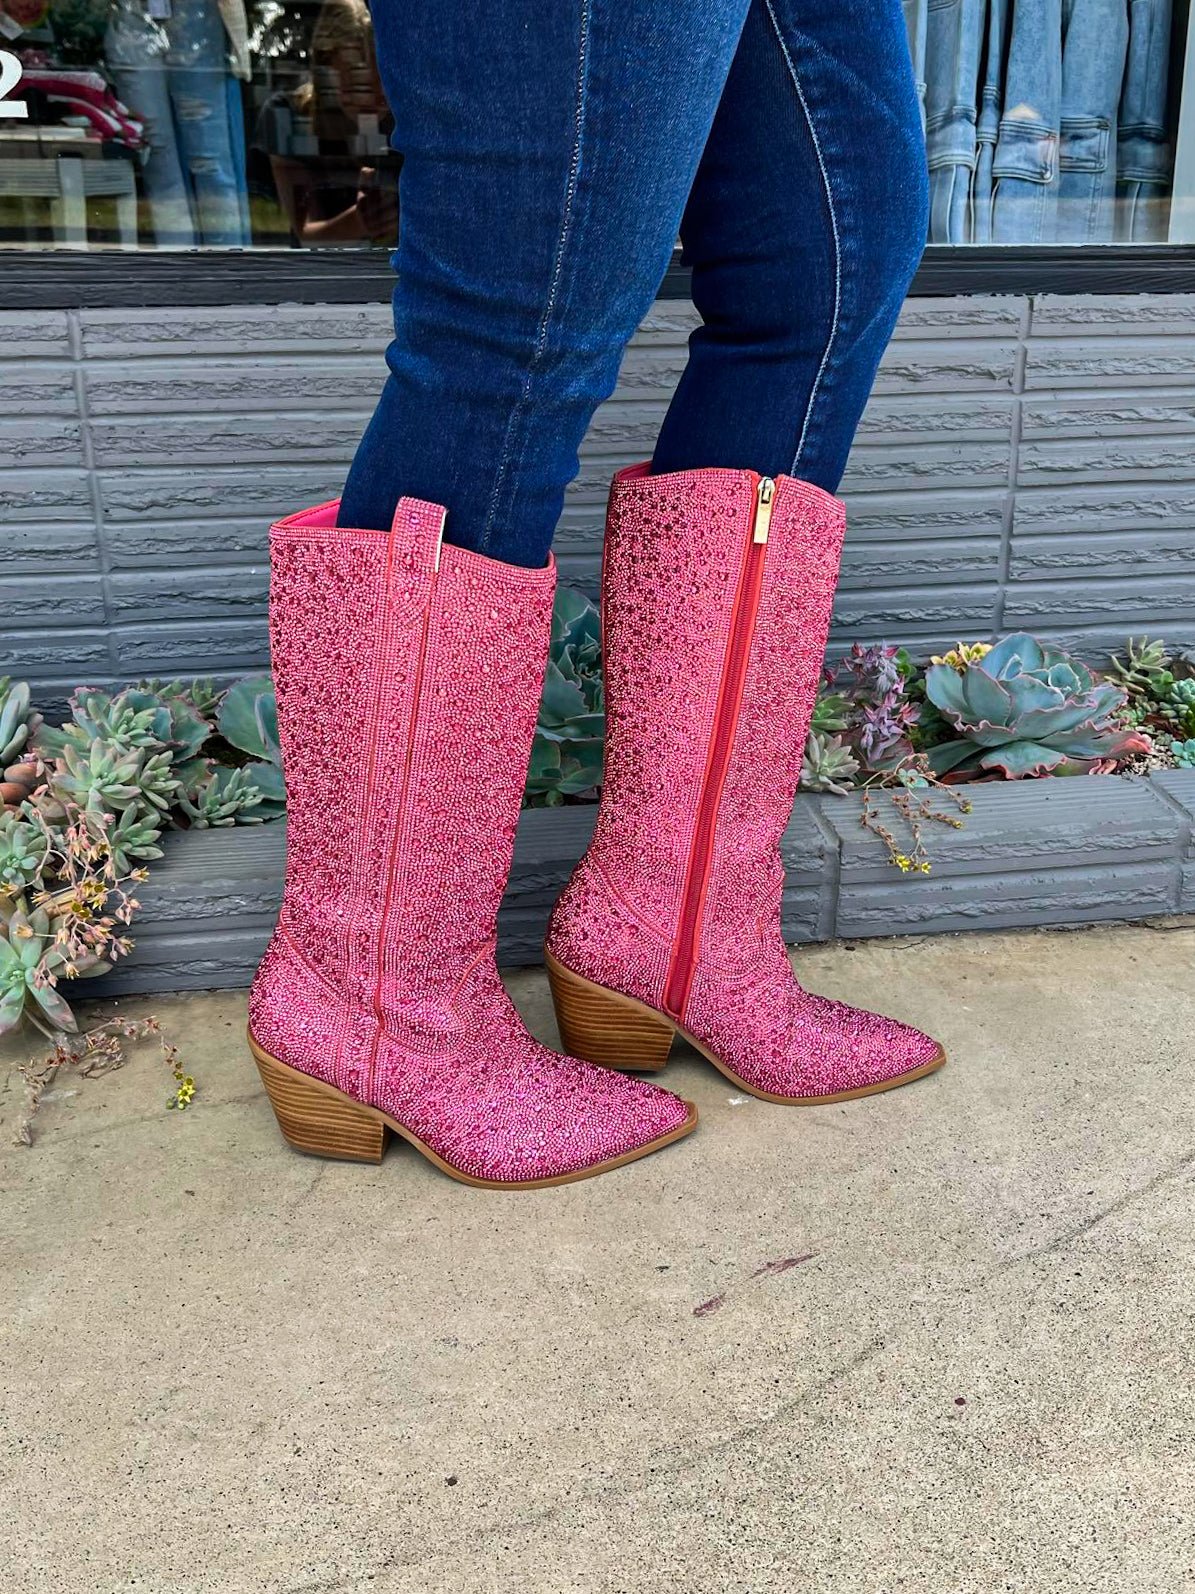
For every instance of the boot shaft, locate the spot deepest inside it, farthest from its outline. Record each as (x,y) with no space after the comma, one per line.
(408,675)
(717,590)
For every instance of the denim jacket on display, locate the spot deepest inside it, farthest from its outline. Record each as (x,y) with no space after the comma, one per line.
(916,17)
(987,127)
(1054,171)
(954,38)
(1145,157)
(1096,38)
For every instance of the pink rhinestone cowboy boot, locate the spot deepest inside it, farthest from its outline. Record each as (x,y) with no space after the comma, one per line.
(716,592)
(416,667)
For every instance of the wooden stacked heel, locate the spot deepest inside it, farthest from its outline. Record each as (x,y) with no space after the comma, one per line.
(605,1027)
(317,1118)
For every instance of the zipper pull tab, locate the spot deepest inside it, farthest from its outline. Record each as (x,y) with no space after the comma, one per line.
(765,493)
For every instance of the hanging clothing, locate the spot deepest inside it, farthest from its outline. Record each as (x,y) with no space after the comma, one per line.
(1045,119)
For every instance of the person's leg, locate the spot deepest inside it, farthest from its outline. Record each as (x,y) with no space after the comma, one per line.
(197,69)
(806,224)
(719,569)
(140,80)
(548,154)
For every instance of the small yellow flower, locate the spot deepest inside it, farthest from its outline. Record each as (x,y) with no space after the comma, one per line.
(962,654)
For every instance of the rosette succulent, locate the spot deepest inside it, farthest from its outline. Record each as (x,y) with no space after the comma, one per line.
(828,764)
(566,756)
(224,797)
(30,963)
(1027,709)
(22,853)
(880,715)
(1144,671)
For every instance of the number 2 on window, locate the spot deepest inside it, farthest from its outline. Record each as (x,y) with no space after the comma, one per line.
(10,76)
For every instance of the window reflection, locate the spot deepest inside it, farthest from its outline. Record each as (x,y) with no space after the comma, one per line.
(229,123)
(1049,121)
(188,123)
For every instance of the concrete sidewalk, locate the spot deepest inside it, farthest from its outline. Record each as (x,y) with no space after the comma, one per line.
(937,1340)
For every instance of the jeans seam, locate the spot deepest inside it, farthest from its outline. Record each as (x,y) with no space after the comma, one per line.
(821,163)
(566,223)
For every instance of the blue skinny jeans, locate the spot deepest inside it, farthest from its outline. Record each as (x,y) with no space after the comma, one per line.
(552,154)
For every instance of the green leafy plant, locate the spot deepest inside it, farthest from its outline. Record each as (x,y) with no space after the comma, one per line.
(248,720)
(1178,707)
(223,797)
(1027,709)
(1184,753)
(829,765)
(19,725)
(22,853)
(28,959)
(1144,671)
(831,711)
(1161,691)
(566,755)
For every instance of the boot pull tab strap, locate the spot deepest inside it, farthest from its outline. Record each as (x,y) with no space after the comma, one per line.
(417,534)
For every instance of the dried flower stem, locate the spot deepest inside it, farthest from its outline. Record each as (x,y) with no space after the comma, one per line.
(912,788)
(97,1051)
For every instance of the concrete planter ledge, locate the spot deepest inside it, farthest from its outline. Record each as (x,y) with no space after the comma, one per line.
(1047,852)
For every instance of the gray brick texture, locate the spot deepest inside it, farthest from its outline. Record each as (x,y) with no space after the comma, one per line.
(1023,463)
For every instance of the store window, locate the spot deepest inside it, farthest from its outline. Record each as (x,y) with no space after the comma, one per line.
(235,123)
(1056,121)
(193,123)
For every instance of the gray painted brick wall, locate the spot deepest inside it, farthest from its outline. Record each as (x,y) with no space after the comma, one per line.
(1022,463)
(1042,852)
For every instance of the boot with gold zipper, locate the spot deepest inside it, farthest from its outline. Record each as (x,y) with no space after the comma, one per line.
(717,587)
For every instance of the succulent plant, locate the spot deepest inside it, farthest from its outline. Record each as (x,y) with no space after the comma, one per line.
(28,959)
(132,837)
(1027,709)
(98,717)
(19,725)
(1144,671)
(830,711)
(566,756)
(224,797)
(1184,753)
(828,764)
(248,721)
(201,695)
(98,780)
(22,853)
(127,721)
(1178,708)
(880,713)
(19,722)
